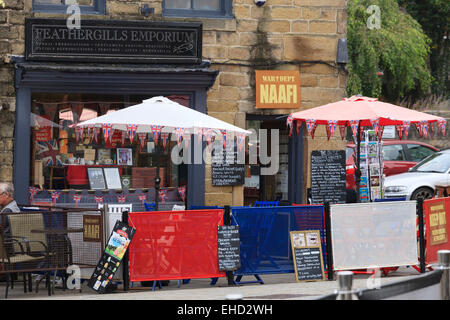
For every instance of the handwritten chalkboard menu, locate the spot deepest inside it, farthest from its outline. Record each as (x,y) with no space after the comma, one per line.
(307,255)
(228,247)
(226,171)
(328,176)
(109,263)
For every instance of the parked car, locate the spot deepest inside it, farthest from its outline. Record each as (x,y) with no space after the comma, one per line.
(422,179)
(399,157)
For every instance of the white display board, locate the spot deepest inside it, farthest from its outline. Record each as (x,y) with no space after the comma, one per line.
(374,235)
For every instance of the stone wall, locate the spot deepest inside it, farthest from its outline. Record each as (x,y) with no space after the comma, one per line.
(282,34)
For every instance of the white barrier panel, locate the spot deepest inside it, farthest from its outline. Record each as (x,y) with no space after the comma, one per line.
(373,235)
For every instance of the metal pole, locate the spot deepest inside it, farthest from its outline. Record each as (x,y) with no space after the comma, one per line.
(227,222)
(444,265)
(421,235)
(328,247)
(125,270)
(345,280)
(157,177)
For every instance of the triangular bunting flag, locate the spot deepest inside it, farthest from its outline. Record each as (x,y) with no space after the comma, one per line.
(354,125)
(156,130)
(131,130)
(165,139)
(342,128)
(406,125)
(142,138)
(182,192)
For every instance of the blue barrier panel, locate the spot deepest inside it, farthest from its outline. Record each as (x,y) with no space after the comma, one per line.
(265,239)
(391,199)
(149,206)
(267,203)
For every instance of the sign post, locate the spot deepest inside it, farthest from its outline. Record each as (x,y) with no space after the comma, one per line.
(228,246)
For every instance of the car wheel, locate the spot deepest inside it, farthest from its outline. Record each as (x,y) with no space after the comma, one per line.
(423,192)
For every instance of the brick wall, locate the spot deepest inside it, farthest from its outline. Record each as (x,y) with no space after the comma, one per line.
(280,31)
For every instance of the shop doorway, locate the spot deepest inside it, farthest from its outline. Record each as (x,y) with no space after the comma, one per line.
(263,187)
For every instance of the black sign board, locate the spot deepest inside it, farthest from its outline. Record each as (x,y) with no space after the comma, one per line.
(226,171)
(109,263)
(307,255)
(328,176)
(113,41)
(228,247)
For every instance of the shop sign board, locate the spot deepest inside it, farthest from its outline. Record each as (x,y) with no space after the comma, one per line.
(277,89)
(113,41)
(307,255)
(437,221)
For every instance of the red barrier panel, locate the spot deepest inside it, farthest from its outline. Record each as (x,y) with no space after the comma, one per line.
(171,245)
(437,231)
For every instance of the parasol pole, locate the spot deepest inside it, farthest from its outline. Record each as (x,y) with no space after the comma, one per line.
(157,178)
(358,162)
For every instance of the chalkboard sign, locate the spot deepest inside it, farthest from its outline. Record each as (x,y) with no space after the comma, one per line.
(328,176)
(228,248)
(226,171)
(109,263)
(307,255)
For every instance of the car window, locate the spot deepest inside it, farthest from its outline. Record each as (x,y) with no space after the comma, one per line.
(437,162)
(393,152)
(418,152)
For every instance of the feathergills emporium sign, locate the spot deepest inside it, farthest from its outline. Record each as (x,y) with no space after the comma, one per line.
(113,41)
(277,89)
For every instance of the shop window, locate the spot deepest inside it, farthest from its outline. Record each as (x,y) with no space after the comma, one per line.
(60,6)
(198,8)
(62,158)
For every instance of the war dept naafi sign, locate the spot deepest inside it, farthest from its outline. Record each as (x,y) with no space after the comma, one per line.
(113,41)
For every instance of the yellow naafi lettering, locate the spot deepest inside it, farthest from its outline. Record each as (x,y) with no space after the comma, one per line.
(291,93)
(282,94)
(434,220)
(273,94)
(264,93)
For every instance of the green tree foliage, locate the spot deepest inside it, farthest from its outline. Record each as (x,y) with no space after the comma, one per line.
(398,48)
(434,17)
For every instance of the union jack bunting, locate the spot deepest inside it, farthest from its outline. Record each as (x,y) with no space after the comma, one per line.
(290,123)
(131,130)
(380,132)
(375,125)
(32,191)
(163,195)
(225,136)
(156,130)
(442,126)
(98,199)
(89,131)
(342,128)
(310,126)
(179,133)
(331,127)
(406,125)
(299,124)
(76,198)
(107,131)
(142,197)
(142,137)
(79,133)
(240,139)
(186,140)
(165,138)
(182,192)
(123,136)
(419,129)
(55,195)
(121,198)
(199,133)
(424,128)
(95,133)
(209,138)
(354,125)
(399,128)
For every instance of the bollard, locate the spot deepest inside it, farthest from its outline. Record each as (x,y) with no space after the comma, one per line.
(444,265)
(345,280)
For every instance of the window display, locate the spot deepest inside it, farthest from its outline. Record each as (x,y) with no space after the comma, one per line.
(86,158)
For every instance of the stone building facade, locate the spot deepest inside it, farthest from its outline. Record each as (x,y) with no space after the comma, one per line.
(281,34)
